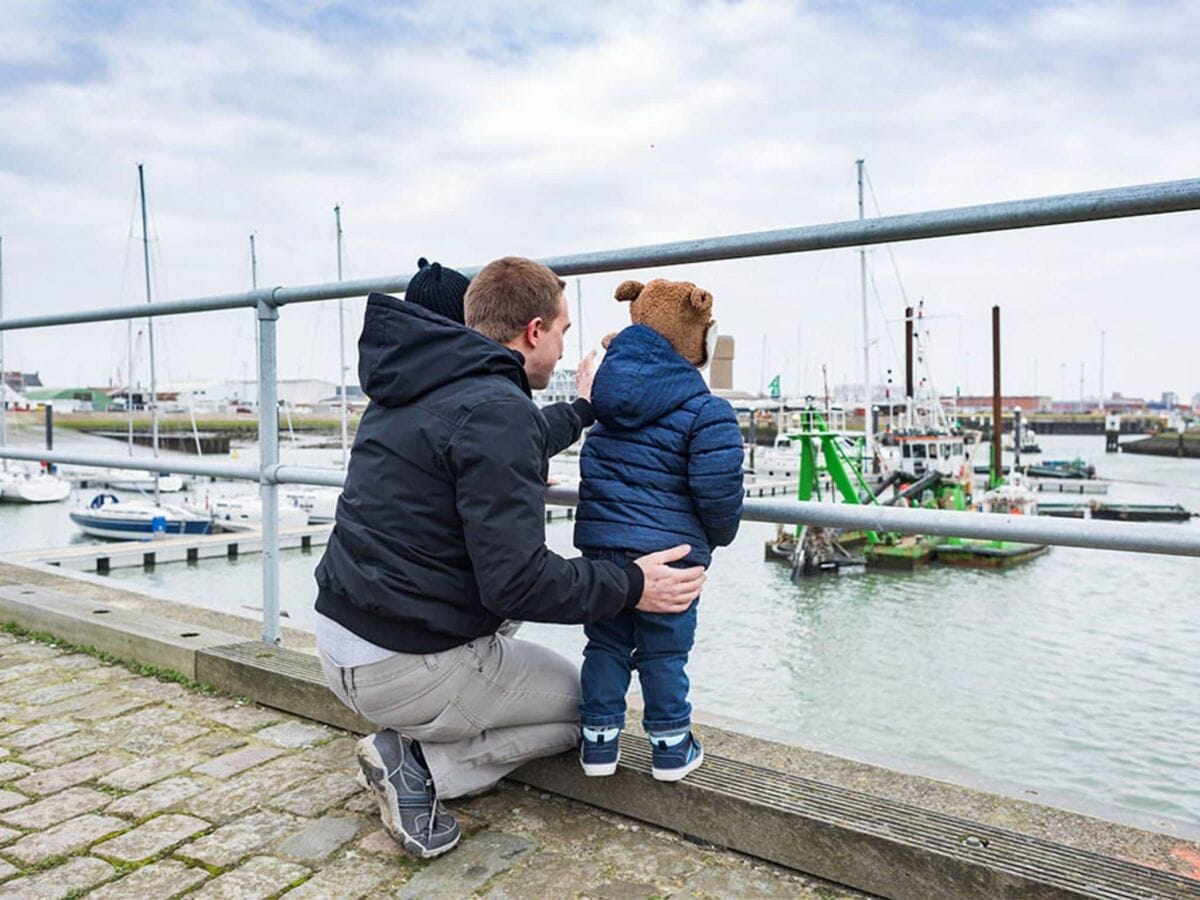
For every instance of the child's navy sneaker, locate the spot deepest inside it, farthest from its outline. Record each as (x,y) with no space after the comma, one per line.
(600,750)
(674,755)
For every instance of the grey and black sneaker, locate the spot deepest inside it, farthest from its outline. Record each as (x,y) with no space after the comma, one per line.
(407,799)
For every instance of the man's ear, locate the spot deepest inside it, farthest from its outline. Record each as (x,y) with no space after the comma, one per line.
(533,331)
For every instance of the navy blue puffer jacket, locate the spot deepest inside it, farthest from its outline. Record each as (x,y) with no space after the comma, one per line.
(663,463)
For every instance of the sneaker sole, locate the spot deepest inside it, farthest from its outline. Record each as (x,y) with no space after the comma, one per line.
(371,764)
(598,770)
(680,773)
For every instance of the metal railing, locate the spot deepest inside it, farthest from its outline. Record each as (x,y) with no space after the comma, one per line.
(1138,200)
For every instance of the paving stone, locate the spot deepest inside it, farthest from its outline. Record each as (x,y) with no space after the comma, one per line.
(623,889)
(15,673)
(10,771)
(245,718)
(158,739)
(250,789)
(238,761)
(76,662)
(65,749)
(216,744)
(58,808)
(54,692)
(159,690)
(160,880)
(472,864)
(259,878)
(50,781)
(239,839)
(73,875)
(110,708)
(7,871)
(337,755)
(293,735)
(54,710)
(319,839)
(147,771)
(9,799)
(40,734)
(202,705)
(9,834)
(6,728)
(349,878)
(379,842)
(156,798)
(153,717)
(151,838)
(66,837)
(316,796)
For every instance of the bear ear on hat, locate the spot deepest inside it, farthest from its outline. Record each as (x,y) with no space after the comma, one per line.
(701,299)
(422,263)
(628,290)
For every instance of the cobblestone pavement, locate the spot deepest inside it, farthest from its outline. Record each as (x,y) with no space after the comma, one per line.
(117,785)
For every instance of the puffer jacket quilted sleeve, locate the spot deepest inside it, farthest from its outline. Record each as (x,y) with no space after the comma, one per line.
(715,470)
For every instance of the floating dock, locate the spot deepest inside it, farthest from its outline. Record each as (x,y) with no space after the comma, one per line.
(104,557)
(1120,512)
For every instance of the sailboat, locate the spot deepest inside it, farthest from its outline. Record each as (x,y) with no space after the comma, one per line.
(109,517)
(22,482)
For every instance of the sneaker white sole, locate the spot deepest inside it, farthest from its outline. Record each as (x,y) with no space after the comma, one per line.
(598,770)
(375,773)
(680,773)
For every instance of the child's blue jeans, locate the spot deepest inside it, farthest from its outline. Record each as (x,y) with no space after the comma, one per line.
(656,644)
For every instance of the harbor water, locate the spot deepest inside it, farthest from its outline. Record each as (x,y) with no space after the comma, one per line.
(1074,678)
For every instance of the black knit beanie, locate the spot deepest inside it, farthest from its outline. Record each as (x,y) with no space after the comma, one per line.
(438,289)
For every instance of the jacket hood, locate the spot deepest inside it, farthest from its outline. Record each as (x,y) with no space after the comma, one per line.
(642,379)
(405,351)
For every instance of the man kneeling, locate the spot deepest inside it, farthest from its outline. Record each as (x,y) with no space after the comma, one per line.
(440,537)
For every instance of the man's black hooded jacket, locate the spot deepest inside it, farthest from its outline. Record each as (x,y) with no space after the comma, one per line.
(440,532)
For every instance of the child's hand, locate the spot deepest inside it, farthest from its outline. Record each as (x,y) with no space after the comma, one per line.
(666,589)
(585,375)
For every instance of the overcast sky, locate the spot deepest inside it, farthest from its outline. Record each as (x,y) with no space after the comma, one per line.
(463,134)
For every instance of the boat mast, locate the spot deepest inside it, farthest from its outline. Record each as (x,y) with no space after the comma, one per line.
(3,381)
(862,276)
(149,330)
(257,367)
(337,213)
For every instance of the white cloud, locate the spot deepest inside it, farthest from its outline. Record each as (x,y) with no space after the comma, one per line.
(466,133)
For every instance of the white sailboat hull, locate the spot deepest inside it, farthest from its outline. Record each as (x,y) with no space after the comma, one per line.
(22,488)
(138,520)
(320,504)
(244,513)
(126,480)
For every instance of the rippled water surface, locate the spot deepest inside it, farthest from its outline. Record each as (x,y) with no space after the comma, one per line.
(1076,675)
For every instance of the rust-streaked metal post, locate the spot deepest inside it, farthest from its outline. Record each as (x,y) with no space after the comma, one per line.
(909,391)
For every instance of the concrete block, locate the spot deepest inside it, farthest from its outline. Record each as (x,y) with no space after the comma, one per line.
(125,633)
(279,678)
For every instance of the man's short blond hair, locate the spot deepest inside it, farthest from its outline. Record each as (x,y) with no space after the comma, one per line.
(508,294)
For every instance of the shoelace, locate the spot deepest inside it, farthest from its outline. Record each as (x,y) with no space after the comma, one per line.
(433,809)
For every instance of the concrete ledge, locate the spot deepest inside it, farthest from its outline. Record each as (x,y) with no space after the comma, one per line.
(870,843)
(150,640)
(855,837)
(279,678)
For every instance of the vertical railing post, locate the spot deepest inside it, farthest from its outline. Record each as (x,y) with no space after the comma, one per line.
(268,444)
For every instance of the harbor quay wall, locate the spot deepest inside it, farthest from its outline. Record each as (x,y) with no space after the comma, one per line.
(868,827)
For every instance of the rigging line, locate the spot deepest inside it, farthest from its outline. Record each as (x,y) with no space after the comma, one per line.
(891,255)
(883,315)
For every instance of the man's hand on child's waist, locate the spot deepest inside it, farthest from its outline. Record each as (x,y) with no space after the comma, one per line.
(667,589)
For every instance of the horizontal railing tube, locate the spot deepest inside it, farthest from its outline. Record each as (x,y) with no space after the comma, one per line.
(1112,203)
(174,465)
(1170,540)
(1173,540)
